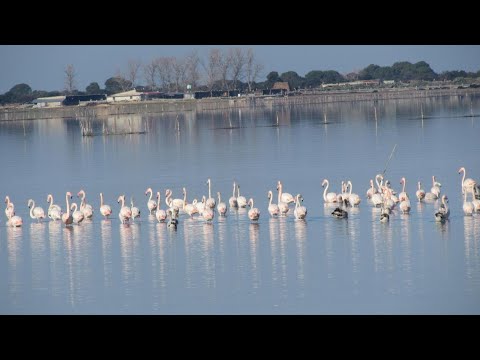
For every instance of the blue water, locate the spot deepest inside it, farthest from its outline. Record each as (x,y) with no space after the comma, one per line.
(411,265)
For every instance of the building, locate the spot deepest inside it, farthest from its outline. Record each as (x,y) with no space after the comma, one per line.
(131,95)
(51,101)
(281,85)
(78,99)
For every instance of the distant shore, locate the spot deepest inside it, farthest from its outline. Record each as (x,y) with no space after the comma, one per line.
(207,104)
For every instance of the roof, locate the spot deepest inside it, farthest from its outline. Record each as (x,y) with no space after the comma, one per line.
(127,93)
(281,85)
(49,99)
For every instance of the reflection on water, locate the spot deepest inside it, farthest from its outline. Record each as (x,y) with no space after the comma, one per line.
(412,264)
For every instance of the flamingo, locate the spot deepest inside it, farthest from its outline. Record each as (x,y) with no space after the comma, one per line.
(300,212)
(467,205)
(125,212)
(466,183)
(85,208)
(403,195)
(105,210)
(420,194)
(10,209)
(190,209)
(233,199)
(371,191)
(201,205)
(222,207)
(443,212)
(160,214)
(283,206)
(135,210)
(67,218)
(13,220)
(207,213)
(330,197)
(353,198)
(54,211)
(273,209)
(77,215)
(405,205)
(151,205)
(210,201)
(253,213)
(35,212)
(436,187)
(175,202)
(241,200)
(285,197)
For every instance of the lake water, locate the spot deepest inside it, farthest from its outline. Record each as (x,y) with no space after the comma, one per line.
(411,265)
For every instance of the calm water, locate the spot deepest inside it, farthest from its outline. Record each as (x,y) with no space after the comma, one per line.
(277,266)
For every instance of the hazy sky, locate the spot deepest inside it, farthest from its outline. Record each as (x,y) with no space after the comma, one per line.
(42,66)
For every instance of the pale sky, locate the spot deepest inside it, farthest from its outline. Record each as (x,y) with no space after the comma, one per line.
(42,66)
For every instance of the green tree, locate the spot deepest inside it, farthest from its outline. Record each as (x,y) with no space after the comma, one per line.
(294,80)
(20,93)
(117,84)
(316,78)
(93,88)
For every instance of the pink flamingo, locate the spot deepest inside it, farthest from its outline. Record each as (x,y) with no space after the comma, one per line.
(67,218)
(105,210)
(125,213)
(36,212)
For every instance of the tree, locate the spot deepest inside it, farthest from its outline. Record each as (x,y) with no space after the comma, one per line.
(93,88)
(150,72)
(316,78)
(116,84)
(20,93)
(179,73)
(213,67)
(238,60)
(133,67)
(192,62)
(272,78)
(252,68)
(224,65)
(70,81)
(294,80)
(165,71)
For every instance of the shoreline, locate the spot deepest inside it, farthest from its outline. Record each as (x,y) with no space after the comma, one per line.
(208,104)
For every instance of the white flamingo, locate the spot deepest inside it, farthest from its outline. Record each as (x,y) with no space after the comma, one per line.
(300,212)
(466,183)
(353,199)
(210,200)
(233,199)
(85,208)
(151,205)
(67,218)
(105,210)
(253,213)
(135,210)
(36,212)
(273,209)
(405,206)
(221,207)
(285,197)
(443,212)
(467,205)
(330,197)
(403,195)
(10,209)
(54,211)
(283,206)
(189,209)
(435,187)
(125,212)
(172,203)
(160,214)
(420,194)
(207,213)
(77,215)
(241,200)
(13,220)
(372,190)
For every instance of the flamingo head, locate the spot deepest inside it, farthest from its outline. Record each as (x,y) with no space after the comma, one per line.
(461,169)
(30,201)
(324,182)
(69,194)
(6,199)
(148,190)
(167,192)
(269,194)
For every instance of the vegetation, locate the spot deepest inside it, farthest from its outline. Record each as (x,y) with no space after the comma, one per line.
(232,69)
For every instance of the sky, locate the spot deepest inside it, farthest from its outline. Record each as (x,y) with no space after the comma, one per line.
(42,66)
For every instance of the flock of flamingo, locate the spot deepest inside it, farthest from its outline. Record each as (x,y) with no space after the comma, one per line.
(382,196)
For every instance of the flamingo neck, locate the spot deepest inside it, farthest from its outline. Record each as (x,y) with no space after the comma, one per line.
(219,198)
(101,199)
(297,202)
(233,190)
(167,198)
(463,178)
(351,186)
(184,198)
(151,194)
(209,192)
(68,205)
(325,191)
(404,181)
(31,209)
(158,200)
(270,198)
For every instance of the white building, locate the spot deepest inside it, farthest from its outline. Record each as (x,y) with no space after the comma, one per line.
(131,95)
(51,101)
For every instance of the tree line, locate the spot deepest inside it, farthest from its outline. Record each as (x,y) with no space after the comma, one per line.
(230,69)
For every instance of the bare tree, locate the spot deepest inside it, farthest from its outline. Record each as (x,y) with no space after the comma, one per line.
(150,74)
(70,81)
(124,84)
(213,67)
(165,71)
(238,60)
(252,68)
(192,62)
(179,73)
(225,64)
(133,67)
